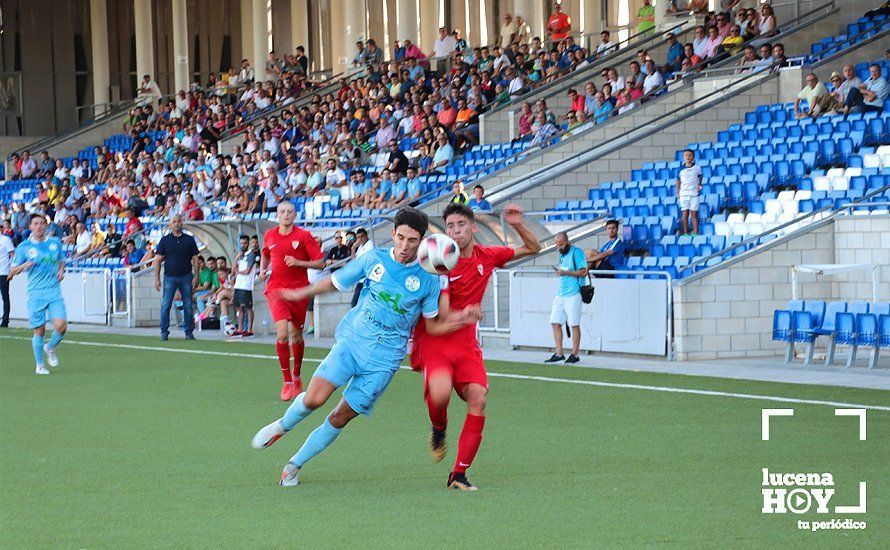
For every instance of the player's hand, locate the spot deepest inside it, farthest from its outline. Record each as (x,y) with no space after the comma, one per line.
(512,214)
(27,265)
(158,285)
(290,261)
(262,275)
(294,295)
(472,314)
(60,275)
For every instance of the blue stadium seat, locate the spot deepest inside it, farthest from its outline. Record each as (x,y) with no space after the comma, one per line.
(844,333)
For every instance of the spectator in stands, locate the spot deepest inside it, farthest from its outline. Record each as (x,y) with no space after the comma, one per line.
(83,241)
(444,45)
(732,44)
(688,186)
(340,251)
(478,203)
(768,27)
(645,17)
(572,269)
(133,256)
(559,25)
(523,32)
(674,53)
(654,78)
(606,46)
(246,74)
(507,35)
(602,108)
(459,195)
(7,251)
(177,252)
(816,96)
(636,77)
(750,61)
(870,95)
(113,242)
(206,275)
(360,57)
(28,168)
(611,255)
(779,59)
(545,132)
(711,44)
(526,119)
(150,88)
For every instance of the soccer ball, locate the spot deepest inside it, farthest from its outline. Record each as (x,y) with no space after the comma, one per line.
(438,254)
(229,330)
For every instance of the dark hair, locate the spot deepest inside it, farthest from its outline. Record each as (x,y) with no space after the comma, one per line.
(458,209)
(243,238)
(36,215)
(613,221)
(413,218)
(361,231)
(689,151)
(477,186)
(211,258)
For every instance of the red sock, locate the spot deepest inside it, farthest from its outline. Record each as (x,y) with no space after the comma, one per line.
(468,444)
(298,357)
(438,414)
(284,360)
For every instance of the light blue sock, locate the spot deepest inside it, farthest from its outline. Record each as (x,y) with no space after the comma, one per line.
(295,413)
(37,344)
(55,339)
(317,441)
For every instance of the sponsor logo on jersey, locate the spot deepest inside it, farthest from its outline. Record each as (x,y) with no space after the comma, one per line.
(412,283)
(377,273)
(32,253)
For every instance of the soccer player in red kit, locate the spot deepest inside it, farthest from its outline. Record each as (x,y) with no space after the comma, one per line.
(289,251)
(455,360)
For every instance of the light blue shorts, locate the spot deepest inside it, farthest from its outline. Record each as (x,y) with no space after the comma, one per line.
(367,379)
(43,306)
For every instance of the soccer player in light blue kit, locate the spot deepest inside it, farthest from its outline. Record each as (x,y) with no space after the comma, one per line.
(42,257)
(371,340)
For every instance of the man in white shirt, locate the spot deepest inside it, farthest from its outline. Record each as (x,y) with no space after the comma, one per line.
(688,187)
(6,252)
(606,46)
(444,45)
(150,88)
(245,275)
(29,165)
(82,240)
(653,77)
(508,31)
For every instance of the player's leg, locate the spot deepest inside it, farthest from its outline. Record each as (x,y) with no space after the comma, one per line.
(471,384)
(437,383)
(37,308)
(298,345)
(319,440)
(283,350)
(59,316)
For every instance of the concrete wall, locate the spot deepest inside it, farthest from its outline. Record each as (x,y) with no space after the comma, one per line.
(728,313)
(862,240)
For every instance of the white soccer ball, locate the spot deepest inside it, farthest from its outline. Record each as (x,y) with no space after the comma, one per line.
(438,253)
(229,330)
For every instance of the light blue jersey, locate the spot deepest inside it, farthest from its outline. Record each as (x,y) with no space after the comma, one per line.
(45,255)
(372,338)
(393,297)
(44,292)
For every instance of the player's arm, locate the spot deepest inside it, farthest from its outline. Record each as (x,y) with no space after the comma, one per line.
(16,269)
(61,273)
(324,286)
(531,245)
(264,263)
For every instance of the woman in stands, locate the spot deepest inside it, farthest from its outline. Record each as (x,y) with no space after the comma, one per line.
(768,25)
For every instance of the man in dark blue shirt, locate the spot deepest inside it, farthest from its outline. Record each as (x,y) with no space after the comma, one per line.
(179,254)
(611,254)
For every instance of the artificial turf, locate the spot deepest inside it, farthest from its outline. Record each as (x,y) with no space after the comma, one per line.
(124,447)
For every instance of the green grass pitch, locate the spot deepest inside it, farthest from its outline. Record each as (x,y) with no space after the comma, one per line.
(125,447)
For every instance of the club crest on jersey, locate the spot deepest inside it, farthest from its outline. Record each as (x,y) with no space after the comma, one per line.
(412,283)
(376,273)
(32,253)
(295,244)
(53,246)
(480,269)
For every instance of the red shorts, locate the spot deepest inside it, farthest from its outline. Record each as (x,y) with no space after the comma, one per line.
(463,363)
(284,310)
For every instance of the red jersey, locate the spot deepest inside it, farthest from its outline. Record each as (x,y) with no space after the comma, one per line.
(467,283)
(299,244)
